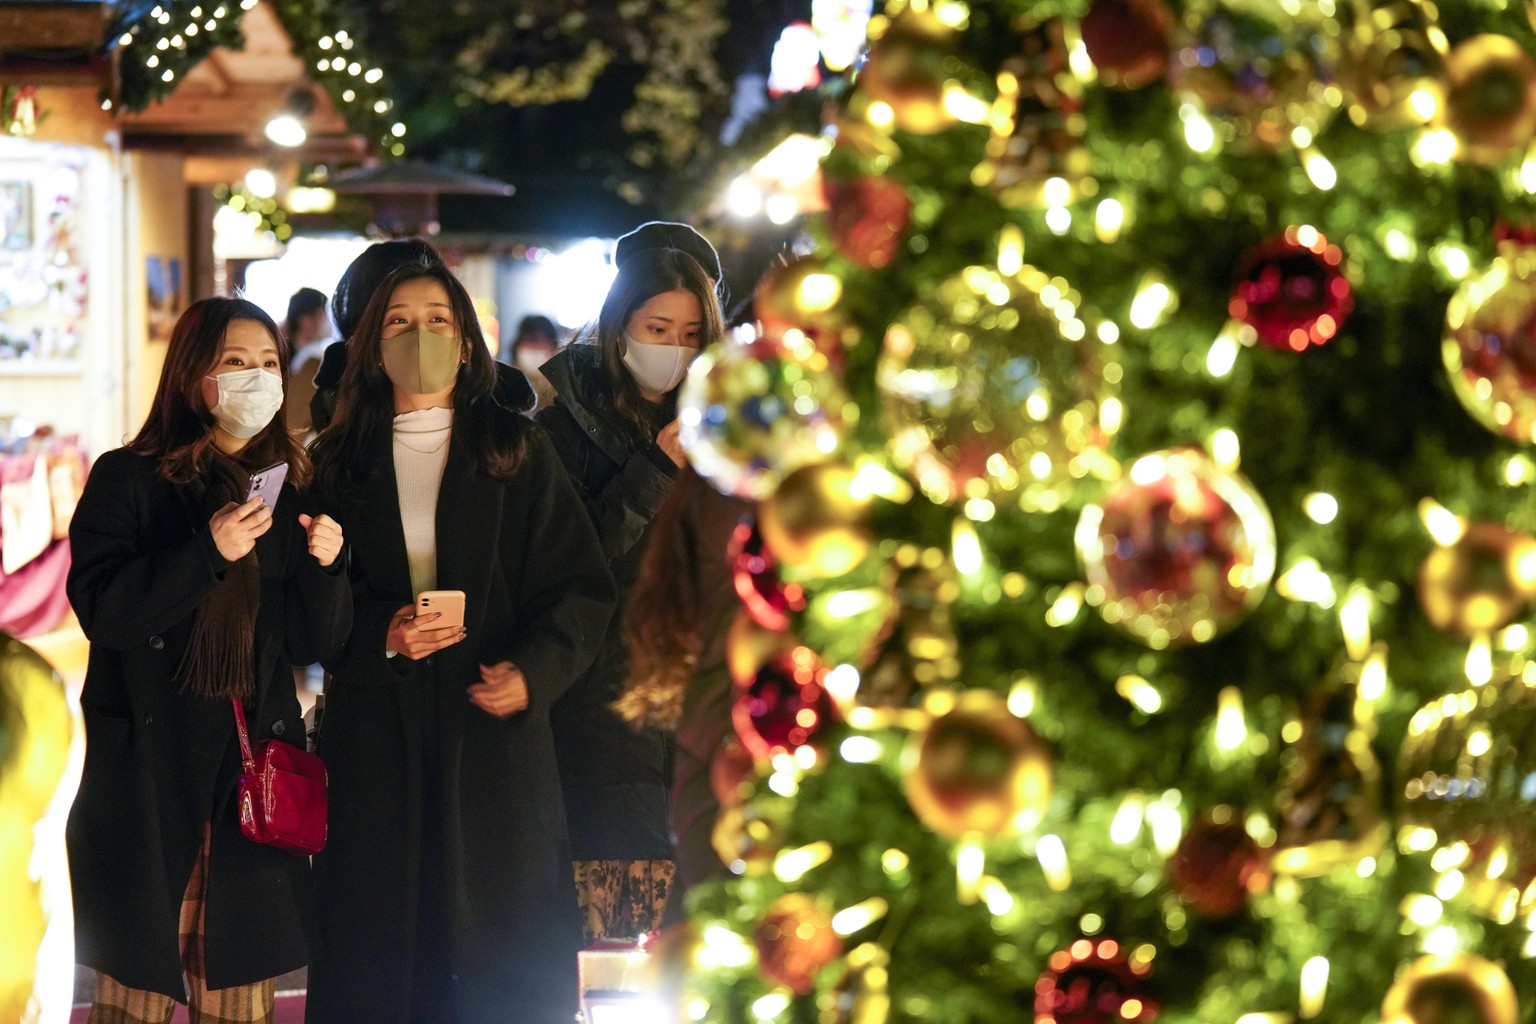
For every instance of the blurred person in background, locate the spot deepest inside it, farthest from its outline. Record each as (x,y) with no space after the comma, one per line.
(307,330)
(537,340)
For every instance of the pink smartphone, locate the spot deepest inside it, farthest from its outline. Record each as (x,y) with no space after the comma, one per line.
(447,603)
(267,484)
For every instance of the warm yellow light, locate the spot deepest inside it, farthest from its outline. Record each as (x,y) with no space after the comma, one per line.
(1231,725)
(962,106)
(1022,697)
(1422,909)
(1319,170)
(1519,470)
(1226,451)
(1314,987)
(1222,356)
(1142,694)
(1051,852)
(1198,133)
(1479,663)
(1167,826)
(1153,301)
(861,750)
(1010,250)
(859,916)
(1424,104)
(1399,246)
(1057,192)
(880,114)
(768,1007)
(1443,525)
(1126,824)
(1066,606)
(970,863)
(1321,507)
(1442,941)
(1108,219)
(1373,678)
(1355,621)
(966,548)
(792,865)
(1433,147)
(1453,259)
(1449,884)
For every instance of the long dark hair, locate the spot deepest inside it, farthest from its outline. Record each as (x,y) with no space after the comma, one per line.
(365,273)
(645,275)
(365,398)
(179,428)
(663,613)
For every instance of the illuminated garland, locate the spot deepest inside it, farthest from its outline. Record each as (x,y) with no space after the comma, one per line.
(158,46)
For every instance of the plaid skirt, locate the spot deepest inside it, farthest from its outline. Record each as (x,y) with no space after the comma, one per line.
(116,1003)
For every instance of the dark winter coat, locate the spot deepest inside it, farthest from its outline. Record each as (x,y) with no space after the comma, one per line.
(512,388)
(615,777)
(160,763)
(446,892)
(706,714)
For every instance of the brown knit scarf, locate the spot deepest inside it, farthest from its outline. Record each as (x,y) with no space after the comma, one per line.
(220,661)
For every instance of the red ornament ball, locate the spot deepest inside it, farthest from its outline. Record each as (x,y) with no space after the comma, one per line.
(755,574)
(794,940)
(1128,40)
(867,217)
(784,706)
(1093,981)
(1217,867)
(1290,290)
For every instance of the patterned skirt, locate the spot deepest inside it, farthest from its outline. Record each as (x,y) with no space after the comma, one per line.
(621,899)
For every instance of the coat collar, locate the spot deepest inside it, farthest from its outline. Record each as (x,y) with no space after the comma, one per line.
(576,373)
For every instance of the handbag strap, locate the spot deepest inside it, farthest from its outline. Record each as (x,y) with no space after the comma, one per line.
(247,759)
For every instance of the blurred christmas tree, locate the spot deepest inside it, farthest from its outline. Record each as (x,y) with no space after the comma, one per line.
(1155,645)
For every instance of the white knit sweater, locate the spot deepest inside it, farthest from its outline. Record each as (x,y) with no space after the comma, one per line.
(421,451)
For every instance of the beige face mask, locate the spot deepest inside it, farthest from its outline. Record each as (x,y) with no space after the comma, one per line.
(420,362)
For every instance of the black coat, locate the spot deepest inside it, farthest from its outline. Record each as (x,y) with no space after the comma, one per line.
(615,777)
(160,763)
(446,892)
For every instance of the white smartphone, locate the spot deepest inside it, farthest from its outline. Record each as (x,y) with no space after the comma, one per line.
(267,484)
(447,603)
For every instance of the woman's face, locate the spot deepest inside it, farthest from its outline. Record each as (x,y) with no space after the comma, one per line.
(420,304)
(671,318)
(246,344)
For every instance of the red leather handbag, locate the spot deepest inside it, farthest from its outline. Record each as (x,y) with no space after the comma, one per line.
(281,793)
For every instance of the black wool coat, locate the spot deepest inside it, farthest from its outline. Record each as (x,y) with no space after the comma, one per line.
(160,763)
(446,892)
(615,776)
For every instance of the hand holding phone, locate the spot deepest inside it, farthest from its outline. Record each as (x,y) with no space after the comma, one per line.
(435,621)
(267,484)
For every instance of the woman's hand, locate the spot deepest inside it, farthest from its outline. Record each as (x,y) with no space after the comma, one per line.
(671,445)
(324,535)
(236,527)
(502,690)
(413,635)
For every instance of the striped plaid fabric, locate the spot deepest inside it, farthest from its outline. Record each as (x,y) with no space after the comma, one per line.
(116,1003)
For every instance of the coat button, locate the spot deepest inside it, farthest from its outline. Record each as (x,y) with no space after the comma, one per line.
(278,727)
(149,719)
(156,643)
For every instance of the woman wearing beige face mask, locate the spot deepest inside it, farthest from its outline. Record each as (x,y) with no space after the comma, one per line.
(445,889)
(614,423)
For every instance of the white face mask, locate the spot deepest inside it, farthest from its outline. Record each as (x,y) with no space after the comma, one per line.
(248,399)
(657,368)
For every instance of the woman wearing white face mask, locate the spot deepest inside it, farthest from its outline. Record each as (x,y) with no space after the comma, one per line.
(192,595)
(614,423)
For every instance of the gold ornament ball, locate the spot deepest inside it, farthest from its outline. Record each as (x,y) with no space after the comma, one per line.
(1489,346)
(37,736)
(907,71)
(1182,548)
(1391,55)
(991,384)
(799,306)
(795,940)
(818,520)
(1481,582)
(1490,101)
(1459,989)
(977,768)
(746,839)
(1463,767)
